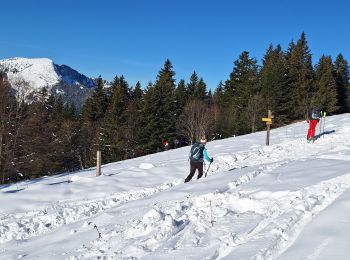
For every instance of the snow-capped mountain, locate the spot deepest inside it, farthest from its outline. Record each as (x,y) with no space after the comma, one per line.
(42,72)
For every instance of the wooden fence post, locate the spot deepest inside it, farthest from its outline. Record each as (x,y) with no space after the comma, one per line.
(98,164)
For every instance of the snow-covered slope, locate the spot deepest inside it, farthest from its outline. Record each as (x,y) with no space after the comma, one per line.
(286,201)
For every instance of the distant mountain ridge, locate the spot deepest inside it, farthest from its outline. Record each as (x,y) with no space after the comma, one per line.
(43,72)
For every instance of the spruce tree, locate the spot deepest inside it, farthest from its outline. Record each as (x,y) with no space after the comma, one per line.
(181,97)
(59,105)
(243,86)
(148,139)
(201,90)
(300,76)
(9,125)
(196,88)
(41,147)
(159,110)
(116,121)
(222,112)
(137,93)
(341,69)
(326,94)
(135,124)
(95,106)
(92,114)
(219,96)
(192,86)
(274,84)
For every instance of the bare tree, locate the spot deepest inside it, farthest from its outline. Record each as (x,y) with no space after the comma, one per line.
(196,120)
(22,90)
(254,111)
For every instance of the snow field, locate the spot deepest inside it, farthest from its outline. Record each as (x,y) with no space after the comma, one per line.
(255,203)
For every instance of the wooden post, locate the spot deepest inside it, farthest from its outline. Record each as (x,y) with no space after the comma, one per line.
(98,164)
(268,121)
(268,124)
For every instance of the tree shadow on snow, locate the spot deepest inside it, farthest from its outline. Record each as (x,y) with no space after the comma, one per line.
(13,191)
(4,186)
(56,183)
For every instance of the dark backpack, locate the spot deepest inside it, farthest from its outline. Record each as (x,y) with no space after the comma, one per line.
(315,113)
(196,152)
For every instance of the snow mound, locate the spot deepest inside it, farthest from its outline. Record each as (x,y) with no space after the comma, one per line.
(146,166)
(75,178)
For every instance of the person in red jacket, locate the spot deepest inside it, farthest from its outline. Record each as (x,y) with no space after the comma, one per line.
(313,118)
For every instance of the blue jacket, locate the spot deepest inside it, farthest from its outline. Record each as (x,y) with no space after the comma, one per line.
(205,155)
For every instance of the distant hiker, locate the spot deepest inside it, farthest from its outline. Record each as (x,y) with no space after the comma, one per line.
(197,156)
(176,143)
(313,118)
(166,145)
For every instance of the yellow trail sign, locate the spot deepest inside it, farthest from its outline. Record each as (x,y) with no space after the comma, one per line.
(265,119)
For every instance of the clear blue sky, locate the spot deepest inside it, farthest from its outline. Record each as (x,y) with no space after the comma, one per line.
(134,37)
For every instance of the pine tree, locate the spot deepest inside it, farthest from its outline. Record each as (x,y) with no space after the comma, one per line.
(274,84)
(59,105)
(116,121)
(41,154)
(221,98)
(91,118)
(9,126)
(342,77)
(300,76)
(95,106)
(135,124)
(181,97)
(243,86)
(147,134)
(326,94)
(159,110)
(192,86)
(201,90)
(137,93)
(69,138)
(222,112)
(196,88)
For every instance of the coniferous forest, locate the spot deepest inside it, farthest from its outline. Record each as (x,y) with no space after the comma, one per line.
(47,137)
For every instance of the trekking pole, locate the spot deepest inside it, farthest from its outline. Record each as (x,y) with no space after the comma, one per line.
(324,121)
(320,128)
(206,172)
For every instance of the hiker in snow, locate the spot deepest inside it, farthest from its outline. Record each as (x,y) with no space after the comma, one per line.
(176,143)
(197,156)
(166,145)
(313,118)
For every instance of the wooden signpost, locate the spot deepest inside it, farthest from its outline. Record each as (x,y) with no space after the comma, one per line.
(268,121)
